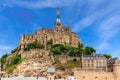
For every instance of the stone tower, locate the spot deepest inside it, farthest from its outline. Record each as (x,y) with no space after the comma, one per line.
(116,69)
(58,24)
(59,34)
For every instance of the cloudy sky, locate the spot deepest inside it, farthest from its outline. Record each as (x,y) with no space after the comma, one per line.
(97,22)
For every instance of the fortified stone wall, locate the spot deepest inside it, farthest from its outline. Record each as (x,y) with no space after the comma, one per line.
(97,74)
(60,35)
(63,58)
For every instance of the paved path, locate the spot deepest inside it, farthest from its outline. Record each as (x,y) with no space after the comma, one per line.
(24,78)
(28,78)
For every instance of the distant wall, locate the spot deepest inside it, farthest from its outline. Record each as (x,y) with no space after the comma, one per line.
(94,74)
(34,53)
(63,58)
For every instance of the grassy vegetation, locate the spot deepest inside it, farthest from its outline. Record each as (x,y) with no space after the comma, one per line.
(10,68)
(14,62)
(3,60)
(72,64)
(69,65)
(34,45)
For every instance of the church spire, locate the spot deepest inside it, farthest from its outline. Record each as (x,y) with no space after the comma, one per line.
(58,15)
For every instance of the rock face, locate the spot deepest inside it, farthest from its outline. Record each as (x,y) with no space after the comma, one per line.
(34,62)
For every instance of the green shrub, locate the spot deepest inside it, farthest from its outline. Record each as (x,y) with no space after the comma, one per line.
(11,68)
(16,59)
(3,60)
(62,68)
(29,46)
(57,45)
(5,55)
(50,42)
(56,51)
(33,46)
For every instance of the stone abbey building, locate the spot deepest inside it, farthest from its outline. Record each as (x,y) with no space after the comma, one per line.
(60,35)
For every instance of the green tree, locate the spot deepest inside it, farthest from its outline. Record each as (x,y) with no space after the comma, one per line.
(107,56)
(72,52)
(89,50)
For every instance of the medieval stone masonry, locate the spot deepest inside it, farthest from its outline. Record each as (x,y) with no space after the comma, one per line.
(97,68)
(94,67)
(60,35)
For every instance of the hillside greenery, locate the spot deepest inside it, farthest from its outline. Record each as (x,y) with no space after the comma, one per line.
(58,49)
(3,60)
(34,45)
(107,56)
(12,62)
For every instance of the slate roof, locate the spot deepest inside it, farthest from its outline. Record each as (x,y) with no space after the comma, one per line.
(111,61)
(93,56)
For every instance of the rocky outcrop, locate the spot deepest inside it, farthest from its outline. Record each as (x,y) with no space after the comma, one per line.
(34,62)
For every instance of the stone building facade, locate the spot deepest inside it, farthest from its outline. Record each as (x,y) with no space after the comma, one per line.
(94,61)
(99,74)
(60,35)
(111,62)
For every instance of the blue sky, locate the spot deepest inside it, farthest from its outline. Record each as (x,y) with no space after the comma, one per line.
(97,22)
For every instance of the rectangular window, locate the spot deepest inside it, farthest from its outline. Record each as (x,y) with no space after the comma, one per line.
(88,65)
(92,65)
(84,65)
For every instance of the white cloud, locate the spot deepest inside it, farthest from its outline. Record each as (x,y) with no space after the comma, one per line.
(109,27)
(103,45)
(92,15)
(86,22)
(38,4)
(107,30)
(106,21)
(6,49)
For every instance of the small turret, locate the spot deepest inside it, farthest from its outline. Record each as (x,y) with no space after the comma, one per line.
(116,68)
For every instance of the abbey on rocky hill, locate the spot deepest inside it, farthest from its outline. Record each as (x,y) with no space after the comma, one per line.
(59,34)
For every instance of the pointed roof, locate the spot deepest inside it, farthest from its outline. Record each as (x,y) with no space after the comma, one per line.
(58,15)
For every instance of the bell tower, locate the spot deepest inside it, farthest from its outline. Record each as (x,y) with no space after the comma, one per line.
(58,24)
